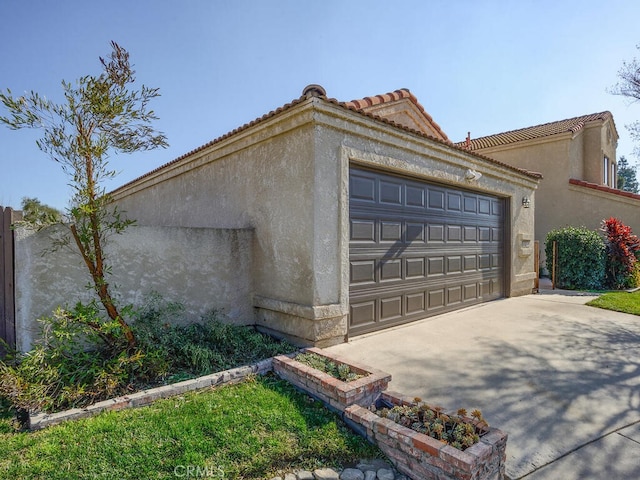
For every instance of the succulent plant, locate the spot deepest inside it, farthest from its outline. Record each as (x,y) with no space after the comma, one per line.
(457,429)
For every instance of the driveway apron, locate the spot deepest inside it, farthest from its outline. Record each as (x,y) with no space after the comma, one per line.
(561,378)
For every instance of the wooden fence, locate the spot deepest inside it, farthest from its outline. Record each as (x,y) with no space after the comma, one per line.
(7,278)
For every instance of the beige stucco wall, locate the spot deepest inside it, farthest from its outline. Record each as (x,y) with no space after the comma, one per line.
(204,269)
(598,142)
(287,178)
(562,157)
(591,206)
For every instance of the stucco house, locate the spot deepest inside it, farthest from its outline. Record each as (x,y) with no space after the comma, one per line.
(577,159)
(364,214)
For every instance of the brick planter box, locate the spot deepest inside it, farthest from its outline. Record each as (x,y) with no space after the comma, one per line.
(422,457)
(334,393)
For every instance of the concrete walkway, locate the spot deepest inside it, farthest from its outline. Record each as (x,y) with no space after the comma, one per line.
(562,379)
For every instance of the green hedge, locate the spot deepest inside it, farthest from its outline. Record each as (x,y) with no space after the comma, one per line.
(582,257)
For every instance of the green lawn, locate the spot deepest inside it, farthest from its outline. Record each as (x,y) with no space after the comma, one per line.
(619,301)
(249,430)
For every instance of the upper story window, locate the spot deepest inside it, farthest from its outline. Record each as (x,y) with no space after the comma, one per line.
(605,170)
(614,175)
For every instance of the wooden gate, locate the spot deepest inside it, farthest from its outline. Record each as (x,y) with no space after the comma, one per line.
(7,290)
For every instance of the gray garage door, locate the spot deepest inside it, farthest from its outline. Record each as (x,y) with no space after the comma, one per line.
(418,249)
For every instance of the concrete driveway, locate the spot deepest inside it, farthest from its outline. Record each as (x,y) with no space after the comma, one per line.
(562,379)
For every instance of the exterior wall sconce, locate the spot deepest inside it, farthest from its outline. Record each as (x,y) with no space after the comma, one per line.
(526,203)
(472,176)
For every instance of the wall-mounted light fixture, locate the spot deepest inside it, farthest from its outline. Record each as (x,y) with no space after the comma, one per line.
(526,203)
(472,176)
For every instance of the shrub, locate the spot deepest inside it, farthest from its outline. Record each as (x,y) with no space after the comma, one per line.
(622,247)
(73,364)
(581,258)
(199,348)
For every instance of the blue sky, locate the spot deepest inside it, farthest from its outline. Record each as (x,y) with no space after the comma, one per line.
(475,65)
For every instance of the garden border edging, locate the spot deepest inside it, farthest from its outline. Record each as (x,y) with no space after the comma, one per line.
(146,397)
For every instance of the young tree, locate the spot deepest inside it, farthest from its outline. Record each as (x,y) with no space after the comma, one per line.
(100,115)
(627,179)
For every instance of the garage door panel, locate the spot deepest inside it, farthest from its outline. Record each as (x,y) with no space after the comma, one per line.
(363,230)
(390,231)
(415,268)
(414,232)
(362,187)
(484,234)
(362,314)
(436,233)
(436,199)
(436,299)
(470,292)
(415,303)
(390,193)
(454,264)
(454,295)
(436,266)
(415,196)
(470,204)
(454,201)
(362,271)
(484,206)
(391,308)
(390,270)
(418,249)
(454,233)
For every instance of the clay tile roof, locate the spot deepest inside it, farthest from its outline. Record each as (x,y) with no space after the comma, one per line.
(319,92)
(365,104)
(538,131)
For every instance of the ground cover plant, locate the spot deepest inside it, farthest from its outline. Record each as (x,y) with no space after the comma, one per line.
(255,429)
(618,301)
(71,366)
(341,371)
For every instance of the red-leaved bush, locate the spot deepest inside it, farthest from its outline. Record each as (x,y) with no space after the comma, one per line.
(622,246)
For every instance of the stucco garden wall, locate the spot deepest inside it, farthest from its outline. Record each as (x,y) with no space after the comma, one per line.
(591,206)
(204,269)
(262,178)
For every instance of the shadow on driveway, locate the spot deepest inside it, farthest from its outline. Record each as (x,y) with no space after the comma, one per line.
(553,373)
